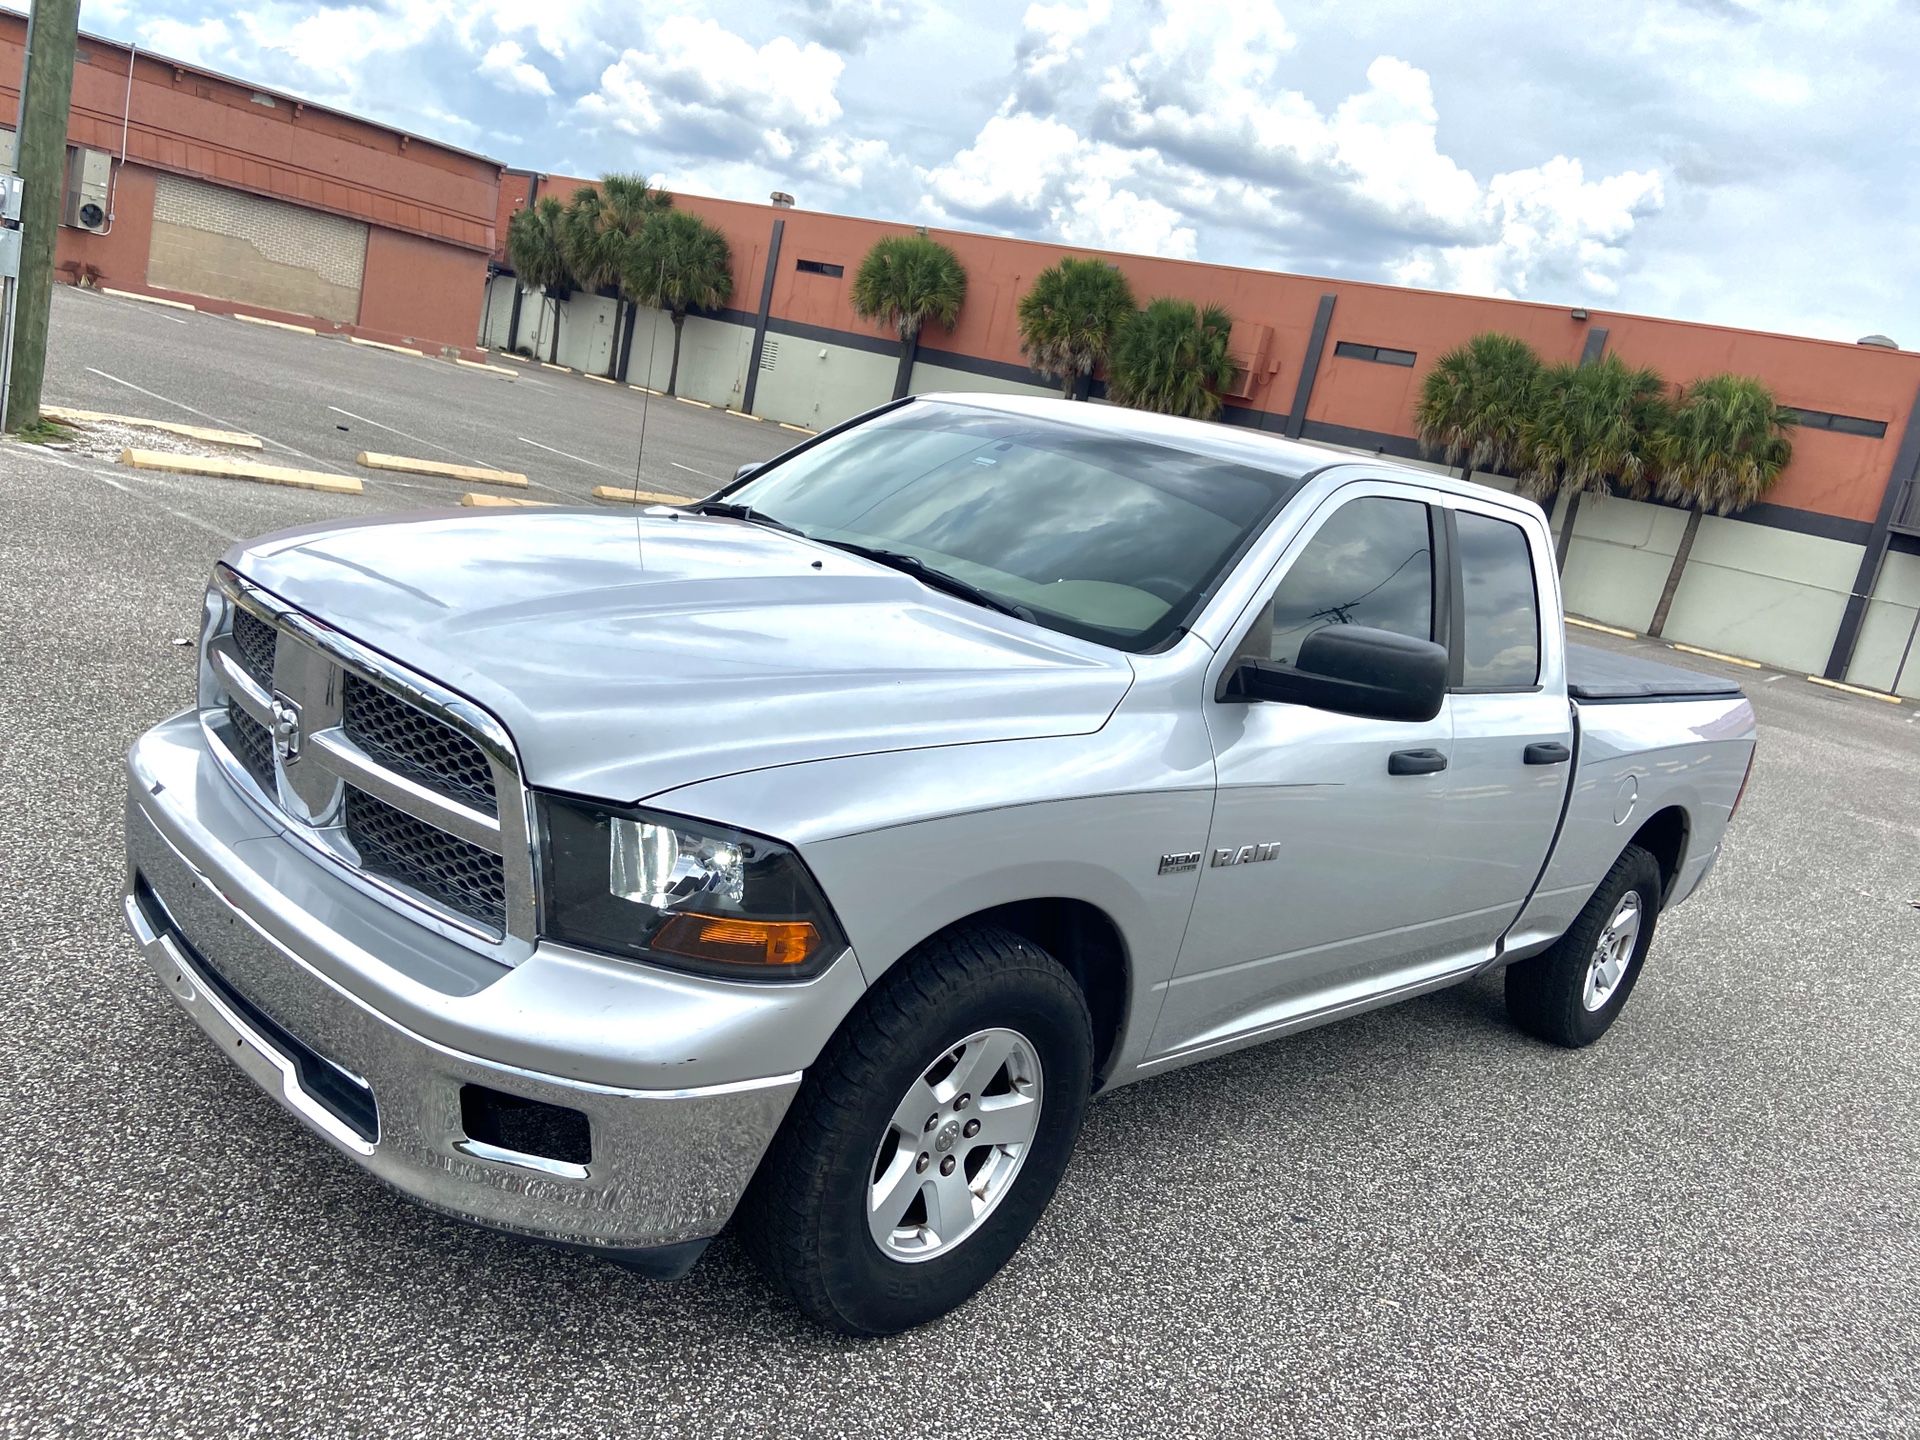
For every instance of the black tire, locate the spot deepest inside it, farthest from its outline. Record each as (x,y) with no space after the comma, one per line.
(804,1219)
(1545,994)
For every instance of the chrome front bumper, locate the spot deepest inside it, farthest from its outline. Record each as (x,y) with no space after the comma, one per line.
(281,964)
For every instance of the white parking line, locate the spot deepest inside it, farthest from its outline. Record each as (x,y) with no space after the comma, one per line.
(140,494)
(217,419)
(565,456)
(405,435)
(691,471)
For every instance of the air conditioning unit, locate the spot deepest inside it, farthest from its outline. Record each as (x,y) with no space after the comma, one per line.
(7,146)
(1250,345)
(89,183)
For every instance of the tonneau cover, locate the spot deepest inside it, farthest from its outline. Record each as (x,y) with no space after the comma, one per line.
(1608,675)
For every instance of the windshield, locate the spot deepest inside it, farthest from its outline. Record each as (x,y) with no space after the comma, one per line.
(1105,537)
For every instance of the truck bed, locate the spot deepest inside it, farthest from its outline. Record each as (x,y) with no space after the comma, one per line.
(1600,676)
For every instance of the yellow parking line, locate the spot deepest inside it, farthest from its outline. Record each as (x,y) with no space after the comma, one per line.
(1603,629)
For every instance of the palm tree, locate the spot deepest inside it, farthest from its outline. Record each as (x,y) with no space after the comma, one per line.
(1721,448)
(1173,357)
(1589,429)
(539,257)
(679,263)
(1069,319)
(602,223)
(1474,402)
(905,281)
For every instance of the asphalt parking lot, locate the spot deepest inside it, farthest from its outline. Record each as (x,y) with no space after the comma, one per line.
(1413,1223)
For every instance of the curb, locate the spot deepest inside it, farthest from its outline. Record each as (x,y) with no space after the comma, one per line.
(276,324)
(1603,629)
(236,438)
(483,365)
(383,345)
(636,497)
(240,470)
(788,425)
(149,299)
(446,470)
(1716,655)
(1861,690)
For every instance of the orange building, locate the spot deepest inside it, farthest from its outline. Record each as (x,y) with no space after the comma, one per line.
(188,184)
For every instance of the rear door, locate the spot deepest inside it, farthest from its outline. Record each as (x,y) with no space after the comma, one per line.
(1512,756)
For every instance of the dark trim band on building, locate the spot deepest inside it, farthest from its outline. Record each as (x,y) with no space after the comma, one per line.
(1906,468)
(1310,365)
(760,320)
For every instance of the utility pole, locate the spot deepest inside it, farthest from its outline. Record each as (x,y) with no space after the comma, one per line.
(46,90)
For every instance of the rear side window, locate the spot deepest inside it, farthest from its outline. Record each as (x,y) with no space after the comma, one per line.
(1502,611)
(1370,564)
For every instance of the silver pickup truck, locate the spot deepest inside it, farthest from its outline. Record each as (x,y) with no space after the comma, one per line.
(806,857)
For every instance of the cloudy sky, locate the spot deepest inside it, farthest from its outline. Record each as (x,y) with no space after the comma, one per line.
(1741,161)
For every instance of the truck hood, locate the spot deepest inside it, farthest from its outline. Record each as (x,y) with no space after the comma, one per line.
(629,654)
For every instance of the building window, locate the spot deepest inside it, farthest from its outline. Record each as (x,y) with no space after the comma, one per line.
(1845,424)
(819,267)
(1347,350)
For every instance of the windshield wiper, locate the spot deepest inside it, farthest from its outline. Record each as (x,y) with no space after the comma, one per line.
(734,510)
(930,577)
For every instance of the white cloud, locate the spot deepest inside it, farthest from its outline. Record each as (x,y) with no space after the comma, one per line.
(204,42)
(506,64)
(1552,227)
(701,88)
(1026,174)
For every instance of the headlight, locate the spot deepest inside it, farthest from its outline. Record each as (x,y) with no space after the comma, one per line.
(681,893)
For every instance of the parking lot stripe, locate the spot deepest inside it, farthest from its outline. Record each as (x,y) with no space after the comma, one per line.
(225,469)
(691,471)
(566,456)
(182,405)
(408,465)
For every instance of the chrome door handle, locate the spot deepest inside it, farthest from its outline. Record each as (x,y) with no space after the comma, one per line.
(1547,752)
(1416,762)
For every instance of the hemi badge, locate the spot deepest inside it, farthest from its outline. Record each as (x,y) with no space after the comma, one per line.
(1174,864)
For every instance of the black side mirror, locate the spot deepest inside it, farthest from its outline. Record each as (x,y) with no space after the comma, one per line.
(745,470)
(1352,670)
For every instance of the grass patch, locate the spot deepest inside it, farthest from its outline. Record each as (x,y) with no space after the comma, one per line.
(43,432)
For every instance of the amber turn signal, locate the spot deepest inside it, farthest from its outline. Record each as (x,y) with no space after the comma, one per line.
(737,942)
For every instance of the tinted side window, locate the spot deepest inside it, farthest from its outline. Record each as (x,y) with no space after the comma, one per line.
(1370,564)
(1502,612)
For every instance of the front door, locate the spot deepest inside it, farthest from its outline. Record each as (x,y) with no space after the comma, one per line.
(1324,870)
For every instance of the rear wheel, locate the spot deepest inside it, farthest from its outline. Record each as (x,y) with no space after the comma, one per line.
(928,1138)
(1572,993)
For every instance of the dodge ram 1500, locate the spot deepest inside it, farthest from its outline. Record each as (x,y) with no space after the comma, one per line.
(808,856)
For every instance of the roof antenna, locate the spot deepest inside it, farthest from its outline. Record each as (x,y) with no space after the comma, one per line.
(646,391)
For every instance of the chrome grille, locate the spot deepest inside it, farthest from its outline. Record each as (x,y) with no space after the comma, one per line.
(420,747)
(442,867)
(411,790)
(255,641)
(254,745)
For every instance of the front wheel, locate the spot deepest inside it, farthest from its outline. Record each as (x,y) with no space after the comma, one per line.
(927,1140)
(1572,993)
